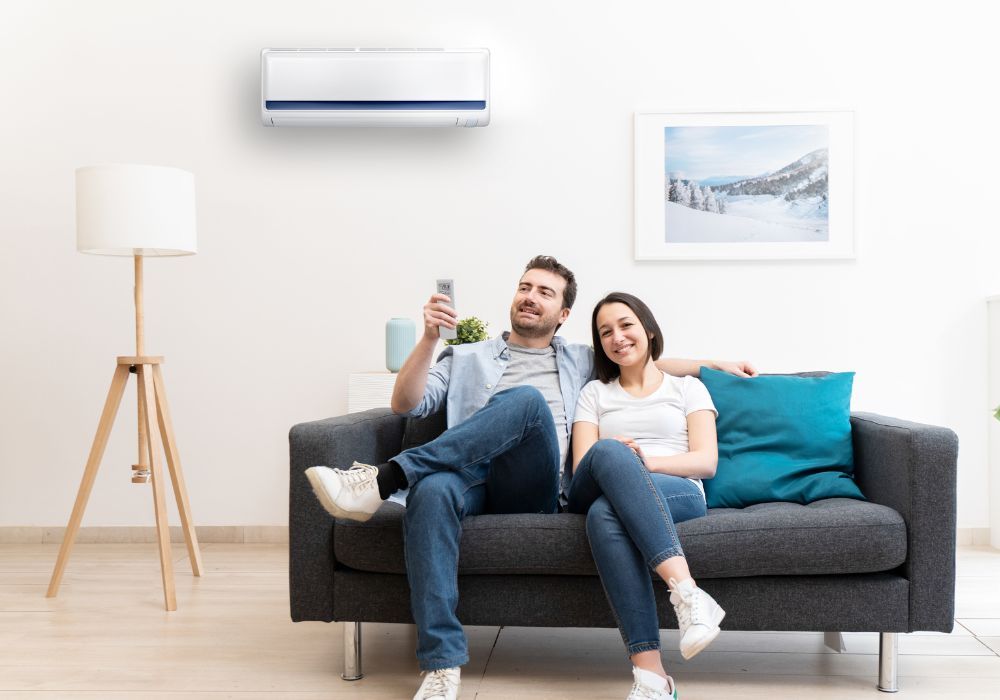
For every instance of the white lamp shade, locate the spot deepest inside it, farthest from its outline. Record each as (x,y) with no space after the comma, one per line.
(135,210)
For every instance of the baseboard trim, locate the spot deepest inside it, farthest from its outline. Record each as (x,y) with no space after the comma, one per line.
(216,534)
(974,536)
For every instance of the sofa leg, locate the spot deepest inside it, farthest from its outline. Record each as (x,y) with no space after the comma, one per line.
(352,652)
(834,641)
(887,661)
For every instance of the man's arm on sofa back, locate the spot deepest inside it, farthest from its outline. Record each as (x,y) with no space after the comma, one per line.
(912,468)
(371,437)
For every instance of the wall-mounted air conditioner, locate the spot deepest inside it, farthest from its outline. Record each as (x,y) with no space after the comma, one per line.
(375,87)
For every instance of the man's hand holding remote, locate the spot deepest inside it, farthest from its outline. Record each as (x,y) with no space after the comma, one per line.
(412,378)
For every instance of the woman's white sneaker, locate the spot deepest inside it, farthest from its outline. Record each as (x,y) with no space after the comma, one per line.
(698,616)
(649,686)
(347,493)
(442,684)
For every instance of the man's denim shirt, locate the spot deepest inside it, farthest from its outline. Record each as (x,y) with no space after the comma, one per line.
(465,377)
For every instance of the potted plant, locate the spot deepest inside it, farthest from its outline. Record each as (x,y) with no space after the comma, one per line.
(469,330)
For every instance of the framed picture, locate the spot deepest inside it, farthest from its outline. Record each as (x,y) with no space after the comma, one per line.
(744,186)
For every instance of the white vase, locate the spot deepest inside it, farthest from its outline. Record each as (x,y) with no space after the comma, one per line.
(400,337)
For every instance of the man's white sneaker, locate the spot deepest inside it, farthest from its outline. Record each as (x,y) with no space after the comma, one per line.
(346,493)
(442,684)
(698,616)
(649,686)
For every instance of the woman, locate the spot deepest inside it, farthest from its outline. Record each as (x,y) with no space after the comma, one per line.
(642,440)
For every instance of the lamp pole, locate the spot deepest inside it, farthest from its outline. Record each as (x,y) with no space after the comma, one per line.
(140,470)
(139,349)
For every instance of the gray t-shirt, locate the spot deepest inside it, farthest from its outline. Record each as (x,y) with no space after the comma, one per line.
(537,367)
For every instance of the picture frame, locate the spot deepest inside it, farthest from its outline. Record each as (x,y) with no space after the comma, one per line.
(744,185)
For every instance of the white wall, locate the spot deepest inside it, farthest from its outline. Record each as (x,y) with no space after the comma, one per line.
(311,239)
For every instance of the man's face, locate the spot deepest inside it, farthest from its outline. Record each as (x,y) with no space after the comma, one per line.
(537,309)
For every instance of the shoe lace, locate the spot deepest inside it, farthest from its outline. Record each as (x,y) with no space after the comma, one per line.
(683,613)
(357,477)
(438,684)
(644,692)
(689,609)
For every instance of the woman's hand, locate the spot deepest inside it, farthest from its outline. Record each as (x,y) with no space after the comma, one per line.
(741,368)
(632,445)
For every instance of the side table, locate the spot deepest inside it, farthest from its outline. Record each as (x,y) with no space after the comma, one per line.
(369,390)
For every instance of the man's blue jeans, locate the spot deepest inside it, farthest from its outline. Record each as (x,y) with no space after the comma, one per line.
(503,459)
(631,514)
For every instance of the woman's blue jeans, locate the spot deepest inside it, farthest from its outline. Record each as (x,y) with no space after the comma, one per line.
(631,514)
(503,459)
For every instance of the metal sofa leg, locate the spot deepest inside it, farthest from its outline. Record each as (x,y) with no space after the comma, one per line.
(352,652)
(887,661)
(834,641)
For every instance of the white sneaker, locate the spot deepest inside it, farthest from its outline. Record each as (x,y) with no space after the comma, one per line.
(649,686)
(346,493)
(442,684)
(698,616)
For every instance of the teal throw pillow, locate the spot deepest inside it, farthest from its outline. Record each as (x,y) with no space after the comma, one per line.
(781,438)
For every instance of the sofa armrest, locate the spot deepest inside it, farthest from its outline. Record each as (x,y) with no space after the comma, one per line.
(912,468)
(371,437)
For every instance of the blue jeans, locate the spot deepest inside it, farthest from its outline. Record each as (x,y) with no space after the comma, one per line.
(631,514)
(503,459)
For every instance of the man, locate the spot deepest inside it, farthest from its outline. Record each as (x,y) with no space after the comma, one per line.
(510,403)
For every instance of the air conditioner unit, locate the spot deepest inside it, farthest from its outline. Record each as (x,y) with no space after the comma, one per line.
(375,87)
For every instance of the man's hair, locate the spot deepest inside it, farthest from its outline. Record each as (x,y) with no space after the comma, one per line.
(547,262)
(606,368)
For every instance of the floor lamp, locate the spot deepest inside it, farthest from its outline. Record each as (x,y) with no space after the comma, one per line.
(137,210)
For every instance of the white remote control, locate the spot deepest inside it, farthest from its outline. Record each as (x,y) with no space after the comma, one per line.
(447,287)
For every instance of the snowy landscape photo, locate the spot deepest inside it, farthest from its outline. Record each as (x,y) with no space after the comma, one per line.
(743,186)
(730,184)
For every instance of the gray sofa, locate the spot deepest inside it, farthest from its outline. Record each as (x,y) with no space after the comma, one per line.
(886,565)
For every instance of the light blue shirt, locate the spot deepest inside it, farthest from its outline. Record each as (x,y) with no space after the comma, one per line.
(466,376)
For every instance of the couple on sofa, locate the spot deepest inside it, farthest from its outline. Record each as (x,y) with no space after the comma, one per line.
(642,435)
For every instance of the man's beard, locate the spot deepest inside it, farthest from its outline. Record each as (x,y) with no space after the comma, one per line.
(543,327)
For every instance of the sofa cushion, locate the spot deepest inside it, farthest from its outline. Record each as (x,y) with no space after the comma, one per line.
(526,543)
(834,536)
(781,438)
(831,536)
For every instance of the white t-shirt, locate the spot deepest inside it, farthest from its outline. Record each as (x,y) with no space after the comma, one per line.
(658,422)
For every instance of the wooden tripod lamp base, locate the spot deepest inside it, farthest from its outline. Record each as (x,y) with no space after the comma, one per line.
(137,211)
(152,403)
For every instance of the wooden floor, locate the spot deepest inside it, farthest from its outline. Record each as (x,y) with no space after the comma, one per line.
(107,636)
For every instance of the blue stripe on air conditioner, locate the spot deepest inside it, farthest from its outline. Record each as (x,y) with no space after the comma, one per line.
(375,105)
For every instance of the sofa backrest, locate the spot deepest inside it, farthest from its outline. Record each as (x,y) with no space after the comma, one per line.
(421,430)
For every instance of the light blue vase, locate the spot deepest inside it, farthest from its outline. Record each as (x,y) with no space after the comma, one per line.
(400,337)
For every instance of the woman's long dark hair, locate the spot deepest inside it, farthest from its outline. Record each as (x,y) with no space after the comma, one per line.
(607,370)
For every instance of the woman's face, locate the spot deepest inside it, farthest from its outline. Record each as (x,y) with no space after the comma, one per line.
(623,338)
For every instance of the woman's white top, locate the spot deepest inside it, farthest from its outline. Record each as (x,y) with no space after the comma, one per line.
(658,422)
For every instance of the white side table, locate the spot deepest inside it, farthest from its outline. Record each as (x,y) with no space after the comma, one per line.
(369,390)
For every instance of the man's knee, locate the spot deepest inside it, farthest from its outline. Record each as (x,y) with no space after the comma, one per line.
(437,492)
